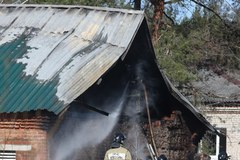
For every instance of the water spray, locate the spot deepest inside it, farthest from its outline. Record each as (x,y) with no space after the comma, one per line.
(90,131)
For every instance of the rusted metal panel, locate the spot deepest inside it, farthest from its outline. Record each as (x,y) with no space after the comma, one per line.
(49,55)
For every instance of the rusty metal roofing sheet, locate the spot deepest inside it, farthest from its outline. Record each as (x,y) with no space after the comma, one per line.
(49,55)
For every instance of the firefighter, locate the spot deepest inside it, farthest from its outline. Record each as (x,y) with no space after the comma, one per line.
(117,151)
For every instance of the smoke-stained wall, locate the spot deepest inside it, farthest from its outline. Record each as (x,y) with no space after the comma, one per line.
(126,92)
(120,93)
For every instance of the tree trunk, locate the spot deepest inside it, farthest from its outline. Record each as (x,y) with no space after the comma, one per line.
(137,4)
(157,18)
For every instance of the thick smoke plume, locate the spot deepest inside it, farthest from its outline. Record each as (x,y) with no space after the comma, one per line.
(91,129)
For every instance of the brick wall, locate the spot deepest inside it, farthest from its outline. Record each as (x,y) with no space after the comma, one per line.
(172,137)
(26,133)
(227,117)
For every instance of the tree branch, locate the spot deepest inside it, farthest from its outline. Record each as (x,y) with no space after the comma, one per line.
(169,17)
(211,10)
(204,6)
(171,2)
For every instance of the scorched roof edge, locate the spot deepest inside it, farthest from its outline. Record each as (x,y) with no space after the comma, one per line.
(175,93)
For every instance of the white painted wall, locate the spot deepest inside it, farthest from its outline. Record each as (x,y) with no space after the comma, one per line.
(229,118)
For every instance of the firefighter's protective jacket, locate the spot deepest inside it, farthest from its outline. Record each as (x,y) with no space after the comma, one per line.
(119,153)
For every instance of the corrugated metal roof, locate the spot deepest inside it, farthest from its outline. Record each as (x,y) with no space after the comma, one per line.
(49,55)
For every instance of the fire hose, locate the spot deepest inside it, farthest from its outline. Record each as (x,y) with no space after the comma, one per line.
(154,149)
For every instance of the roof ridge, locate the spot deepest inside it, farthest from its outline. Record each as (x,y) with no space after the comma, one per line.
(74,7)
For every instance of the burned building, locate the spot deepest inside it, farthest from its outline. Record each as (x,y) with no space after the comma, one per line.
(71,76)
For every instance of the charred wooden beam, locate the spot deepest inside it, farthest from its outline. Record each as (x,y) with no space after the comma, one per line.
(92,108)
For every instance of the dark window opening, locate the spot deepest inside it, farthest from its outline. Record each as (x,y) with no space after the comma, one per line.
(213,144)
(209,143)
(222,141)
